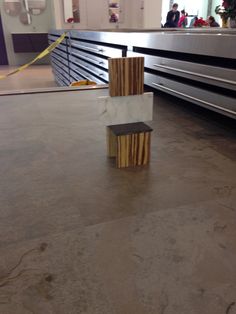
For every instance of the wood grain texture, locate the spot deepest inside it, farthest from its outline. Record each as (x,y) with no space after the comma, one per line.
(111,143)
(126,76)
(133,150)
(129,144)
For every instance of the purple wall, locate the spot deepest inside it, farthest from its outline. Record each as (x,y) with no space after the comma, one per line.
(3,52)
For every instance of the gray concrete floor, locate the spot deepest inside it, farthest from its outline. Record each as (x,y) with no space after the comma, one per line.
(78,235)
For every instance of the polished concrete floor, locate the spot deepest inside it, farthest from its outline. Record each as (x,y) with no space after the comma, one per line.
(78,235)
(36,76)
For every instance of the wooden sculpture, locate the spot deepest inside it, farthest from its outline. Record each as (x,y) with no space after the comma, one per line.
(129,143)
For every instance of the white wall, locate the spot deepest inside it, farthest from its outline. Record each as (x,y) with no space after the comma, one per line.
(94,14)
(145,13)
(40,23)
(152,13)
(97,14)
(134,14)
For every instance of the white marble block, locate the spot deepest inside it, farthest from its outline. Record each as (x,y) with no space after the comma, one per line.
(125,109)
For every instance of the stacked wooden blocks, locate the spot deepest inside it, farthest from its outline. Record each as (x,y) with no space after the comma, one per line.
(128,138)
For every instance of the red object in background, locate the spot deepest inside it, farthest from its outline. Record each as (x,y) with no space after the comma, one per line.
(225,4)
(70,20)
(200,22)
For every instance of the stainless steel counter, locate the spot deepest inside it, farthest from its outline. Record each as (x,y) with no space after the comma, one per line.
(194,64)
(216,42)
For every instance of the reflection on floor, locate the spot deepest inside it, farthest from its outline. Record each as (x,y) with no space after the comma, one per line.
(36,76)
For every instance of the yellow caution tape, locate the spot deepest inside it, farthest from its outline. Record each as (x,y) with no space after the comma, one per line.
(40,56)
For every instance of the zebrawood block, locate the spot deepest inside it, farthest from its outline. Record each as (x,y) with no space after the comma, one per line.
(126,76)
(130,144)
(111,143)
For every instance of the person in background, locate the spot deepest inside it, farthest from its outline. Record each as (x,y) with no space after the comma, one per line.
(183,21)
(172,18)
(212,22)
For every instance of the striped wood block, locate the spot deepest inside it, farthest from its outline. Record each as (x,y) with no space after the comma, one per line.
(126,76)
(133,150)
(111,143)
(130,146)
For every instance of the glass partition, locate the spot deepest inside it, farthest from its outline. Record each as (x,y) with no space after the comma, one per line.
(24,9)
(71,11)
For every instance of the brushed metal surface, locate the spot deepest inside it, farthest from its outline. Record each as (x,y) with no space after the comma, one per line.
(87,66)
(61,67)
(59,58)
(195,71)
(217,45)
(220,103)
(205,42)
(194,99)
(82,72)
(61,53)
(88,57)
(98,49)
(76,76)
(201,43)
